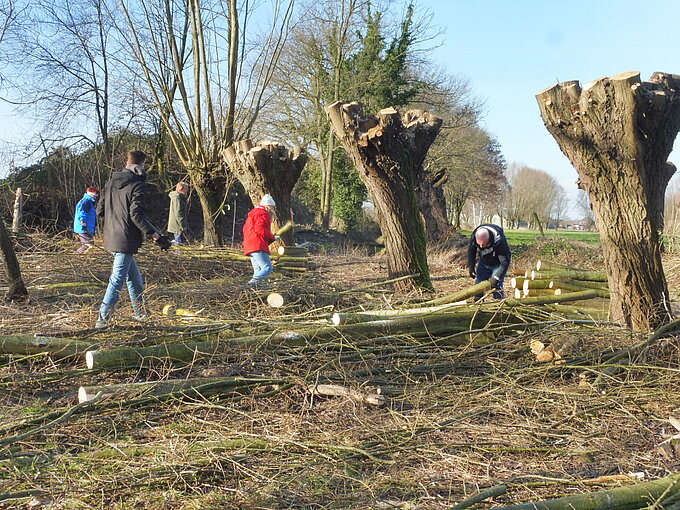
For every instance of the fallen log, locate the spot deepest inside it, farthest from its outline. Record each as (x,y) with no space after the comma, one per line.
(293,251)
(536,284)
(516,282)
(335,390)
(56,347)
(546,265)
(544,300)
(593,276)
(461,295)
(287,263)
(417,327)
(585,284)
(600,292)
(204,386)
(541,292)
(286,228)
(621,498)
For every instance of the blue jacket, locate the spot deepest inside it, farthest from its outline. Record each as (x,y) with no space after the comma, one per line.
(85,211)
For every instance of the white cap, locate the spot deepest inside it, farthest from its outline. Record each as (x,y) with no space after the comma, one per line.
(267,200)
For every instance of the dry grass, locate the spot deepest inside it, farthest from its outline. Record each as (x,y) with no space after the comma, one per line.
(457,419)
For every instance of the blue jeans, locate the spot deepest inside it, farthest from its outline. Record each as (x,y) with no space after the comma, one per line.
(125,270)
(484,272)
(262,266)
(179,238)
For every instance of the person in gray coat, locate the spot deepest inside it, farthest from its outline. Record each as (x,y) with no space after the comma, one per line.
(177,220)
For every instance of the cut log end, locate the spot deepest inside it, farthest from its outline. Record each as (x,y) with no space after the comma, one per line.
(89,359)
(276,300)
(84,395)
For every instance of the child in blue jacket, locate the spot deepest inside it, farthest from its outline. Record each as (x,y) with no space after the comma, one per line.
(85,220)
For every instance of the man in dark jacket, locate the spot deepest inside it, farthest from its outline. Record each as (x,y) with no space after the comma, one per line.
(125,223)
(494,256)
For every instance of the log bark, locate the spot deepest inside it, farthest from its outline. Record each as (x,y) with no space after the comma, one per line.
(56,347)
(618,133)
(292,251)
(268,167)
(591,276)
(335,390)
(17,218)
(461,295)
(389,157)
(17,290)
(621,498)
(204,386)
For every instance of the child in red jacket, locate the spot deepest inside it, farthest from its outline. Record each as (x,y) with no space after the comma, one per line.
(257,235)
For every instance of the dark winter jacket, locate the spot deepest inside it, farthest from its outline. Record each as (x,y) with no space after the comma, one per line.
(177,219)
(257,232)
(122,207)
(86,210)
(496,255)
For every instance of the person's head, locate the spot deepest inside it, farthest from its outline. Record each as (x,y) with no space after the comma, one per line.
(182,187)
(483,237)
(136,158)
(93,191)
(267,201)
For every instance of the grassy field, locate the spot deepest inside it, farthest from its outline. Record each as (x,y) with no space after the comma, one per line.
(516,237)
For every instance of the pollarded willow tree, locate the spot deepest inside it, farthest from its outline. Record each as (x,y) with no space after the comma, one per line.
(268,167)
(388,150)
(202,82)
(618,133)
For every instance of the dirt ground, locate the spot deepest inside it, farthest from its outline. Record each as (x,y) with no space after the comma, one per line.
(457,418)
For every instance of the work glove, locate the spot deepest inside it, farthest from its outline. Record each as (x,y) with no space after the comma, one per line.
(163,243)
(473,273)
(494,282)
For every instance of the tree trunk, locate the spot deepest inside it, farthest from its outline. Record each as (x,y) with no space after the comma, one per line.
(268,167)
(17,289)
(327,182)
(388,151)
(17,219)
(618,132)
(432,205)
(211,192)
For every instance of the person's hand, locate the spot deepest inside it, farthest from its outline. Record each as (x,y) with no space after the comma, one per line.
(473,273)
(83,224)
(163,242)
(494,282)
(276,238)
(155,236)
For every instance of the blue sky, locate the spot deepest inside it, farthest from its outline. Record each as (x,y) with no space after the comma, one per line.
(511,50)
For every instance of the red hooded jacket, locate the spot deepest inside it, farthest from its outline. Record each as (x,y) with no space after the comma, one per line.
(257,232)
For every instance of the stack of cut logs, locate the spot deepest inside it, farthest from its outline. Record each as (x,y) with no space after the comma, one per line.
(292,258)
(551,279)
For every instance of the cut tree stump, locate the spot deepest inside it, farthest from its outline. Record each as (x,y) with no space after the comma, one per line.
(268,167)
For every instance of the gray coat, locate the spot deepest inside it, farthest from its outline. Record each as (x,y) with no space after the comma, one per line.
(177,220)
